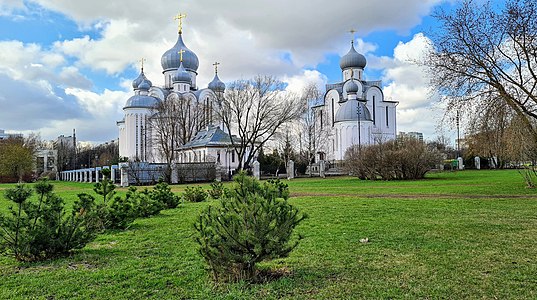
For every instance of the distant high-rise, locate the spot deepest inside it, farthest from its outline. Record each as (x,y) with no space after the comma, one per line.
(412,134)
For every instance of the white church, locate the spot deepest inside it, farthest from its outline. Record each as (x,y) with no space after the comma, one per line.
(137,133)
(353,111)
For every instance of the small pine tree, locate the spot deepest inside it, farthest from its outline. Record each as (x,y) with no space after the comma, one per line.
(254,223)
(43,230)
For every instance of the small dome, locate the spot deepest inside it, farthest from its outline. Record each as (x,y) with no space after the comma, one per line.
(217,85)
(171,59)
(352,87)
(349,112)
(136,82)
(352,59)
(182,75)
(141,101)
(145,85)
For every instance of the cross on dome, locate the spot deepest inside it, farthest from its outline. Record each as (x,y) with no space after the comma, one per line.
(180,18)
(181,55)
(216,67)
(352,32)
(141,61)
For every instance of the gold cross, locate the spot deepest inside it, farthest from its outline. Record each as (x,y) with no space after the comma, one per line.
(181,54)
(142,62)
(352,31)
(216,67)
(180,18)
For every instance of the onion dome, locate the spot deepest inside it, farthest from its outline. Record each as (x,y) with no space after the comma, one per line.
(182,75)
(349,112)
(352,87)
(171,59)
(145,85)
(217,85)
(136,82)
(352,59)
(141,101)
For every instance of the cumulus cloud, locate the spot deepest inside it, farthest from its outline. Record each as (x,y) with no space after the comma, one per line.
(247,37)
(408,83)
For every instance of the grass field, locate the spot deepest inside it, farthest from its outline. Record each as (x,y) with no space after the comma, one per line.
(461,235)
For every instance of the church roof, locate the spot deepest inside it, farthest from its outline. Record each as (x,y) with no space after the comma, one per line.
(141,101)
(352,59)
(171,59)
(212,136)
(349,112)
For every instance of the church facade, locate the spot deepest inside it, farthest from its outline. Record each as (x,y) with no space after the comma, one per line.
(142,132)
(353,112)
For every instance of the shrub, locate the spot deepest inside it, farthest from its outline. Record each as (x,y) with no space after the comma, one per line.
(144,204)
(195,194)
(405,158)
(44,230)
(217,190)
(251,224)
(163,194)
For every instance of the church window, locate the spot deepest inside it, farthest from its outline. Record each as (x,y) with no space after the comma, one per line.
(387,116)
(321,113)
(232,156)
(374,108)
(218,156)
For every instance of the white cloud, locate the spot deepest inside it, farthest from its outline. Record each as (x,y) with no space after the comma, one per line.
(247,37)
(408,83)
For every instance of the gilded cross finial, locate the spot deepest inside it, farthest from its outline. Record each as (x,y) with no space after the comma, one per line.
(216,67)
(141,61)
(181,54)
(352,31)
(180,18)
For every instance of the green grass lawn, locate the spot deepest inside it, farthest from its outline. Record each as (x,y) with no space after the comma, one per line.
(460,235)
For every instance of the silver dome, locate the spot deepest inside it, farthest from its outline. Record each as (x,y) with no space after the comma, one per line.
(217,85)
(171,59)
(349,112)
(352,87)
(136,82)
(141,101)
(181,75)
(352,59)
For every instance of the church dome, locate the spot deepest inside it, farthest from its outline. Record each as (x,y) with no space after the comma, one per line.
(181,75)
(349,112)
(136,82)
(145,85)
(217,85)
(352,59)
(171,59)
(141,101)
(352,87)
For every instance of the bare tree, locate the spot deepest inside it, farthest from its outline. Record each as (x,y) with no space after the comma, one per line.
(311,135)
(174,122)
(482,52)
(255,110)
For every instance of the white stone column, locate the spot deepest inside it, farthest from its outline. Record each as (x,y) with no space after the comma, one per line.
(477,161)
(218,170)
(96,175)
(256,171)
(124,167)
(322,167)
(113,174)
(461,163)
(175,175)
(290,170)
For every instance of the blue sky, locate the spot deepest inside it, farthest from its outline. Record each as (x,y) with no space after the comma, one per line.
(69,64)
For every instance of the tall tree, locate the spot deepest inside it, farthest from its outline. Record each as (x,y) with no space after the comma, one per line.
(486,52)
(255,110)
(175,122)
(17,157)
